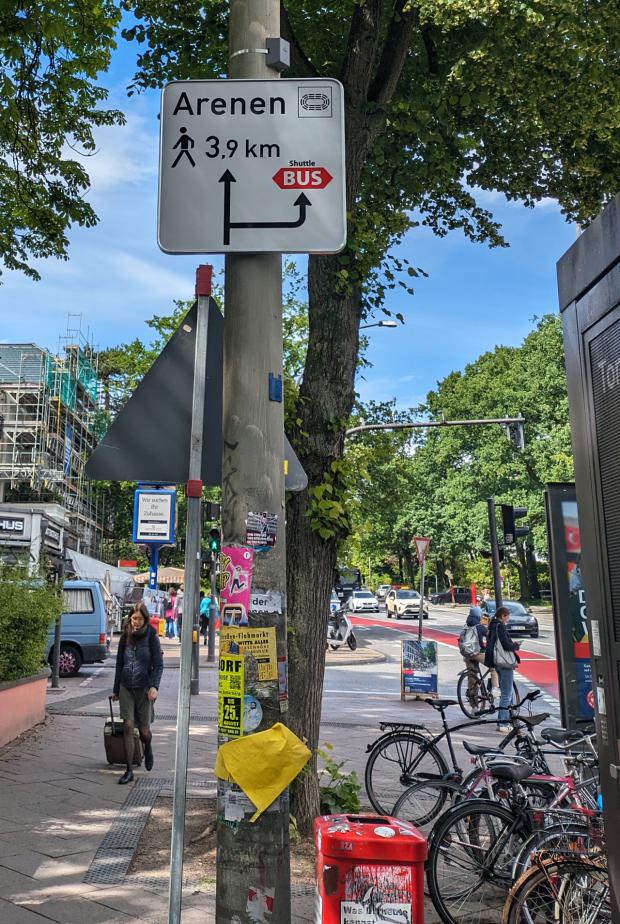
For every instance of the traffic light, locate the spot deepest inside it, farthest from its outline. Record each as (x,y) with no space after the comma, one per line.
(509,515)
(212,511)
(214,540)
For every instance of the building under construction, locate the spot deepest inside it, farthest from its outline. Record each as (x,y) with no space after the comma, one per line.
(50,421)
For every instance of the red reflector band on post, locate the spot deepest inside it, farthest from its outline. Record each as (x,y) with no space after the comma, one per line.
(204,275)
(193,488)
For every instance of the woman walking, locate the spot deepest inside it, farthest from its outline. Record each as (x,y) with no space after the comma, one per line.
(139,666)
(501,653)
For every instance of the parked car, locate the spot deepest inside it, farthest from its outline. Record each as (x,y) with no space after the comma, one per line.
(461,595)
(382,591)
(405,604)
(84,627)
(521,620)
(362,601)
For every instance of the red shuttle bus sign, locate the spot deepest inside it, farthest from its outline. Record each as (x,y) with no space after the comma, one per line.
(307,177)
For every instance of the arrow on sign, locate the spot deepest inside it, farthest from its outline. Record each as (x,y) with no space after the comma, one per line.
(227,179)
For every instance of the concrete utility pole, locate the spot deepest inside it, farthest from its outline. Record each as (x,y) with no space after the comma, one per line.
(254,858)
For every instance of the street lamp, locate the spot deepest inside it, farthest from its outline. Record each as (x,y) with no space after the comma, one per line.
(379,324)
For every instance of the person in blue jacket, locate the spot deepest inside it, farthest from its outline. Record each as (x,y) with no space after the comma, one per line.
(139,666)
(498,630)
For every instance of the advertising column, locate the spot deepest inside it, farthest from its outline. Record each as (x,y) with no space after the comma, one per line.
(569,605)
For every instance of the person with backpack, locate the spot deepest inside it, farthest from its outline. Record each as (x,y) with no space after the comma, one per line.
(139,666)
(472,645)
(501,654)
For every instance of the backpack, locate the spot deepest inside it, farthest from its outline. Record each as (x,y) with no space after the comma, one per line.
(469,643)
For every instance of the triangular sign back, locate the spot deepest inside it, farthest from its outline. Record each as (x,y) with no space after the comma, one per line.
(421,543)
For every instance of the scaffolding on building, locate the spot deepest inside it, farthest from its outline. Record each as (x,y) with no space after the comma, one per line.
(50,422)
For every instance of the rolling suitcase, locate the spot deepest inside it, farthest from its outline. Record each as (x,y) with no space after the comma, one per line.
(113,741)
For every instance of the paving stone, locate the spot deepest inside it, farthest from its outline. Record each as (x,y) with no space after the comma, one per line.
(78,911)
(17,914)
(57,870)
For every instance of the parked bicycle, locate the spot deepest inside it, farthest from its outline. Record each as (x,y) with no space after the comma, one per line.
(409,752)
(479,699)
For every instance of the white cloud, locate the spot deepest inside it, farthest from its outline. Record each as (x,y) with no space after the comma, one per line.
(149,278)
(127,155)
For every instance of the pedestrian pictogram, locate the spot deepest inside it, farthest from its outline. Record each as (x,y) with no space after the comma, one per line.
(184,143)
(252,166)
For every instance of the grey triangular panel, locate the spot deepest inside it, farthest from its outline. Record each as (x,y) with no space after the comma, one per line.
(149,439)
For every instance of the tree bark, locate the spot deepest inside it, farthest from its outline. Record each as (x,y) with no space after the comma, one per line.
(522,569)
(532,567)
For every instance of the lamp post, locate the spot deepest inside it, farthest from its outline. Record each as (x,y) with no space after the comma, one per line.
(379,324)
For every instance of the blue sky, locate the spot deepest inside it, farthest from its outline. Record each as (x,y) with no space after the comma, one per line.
(116,276)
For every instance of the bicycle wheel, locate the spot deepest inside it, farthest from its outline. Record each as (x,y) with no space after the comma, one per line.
(560,838)
(396,761)
(470,858)
(567,889)
(424,802)
(474,702)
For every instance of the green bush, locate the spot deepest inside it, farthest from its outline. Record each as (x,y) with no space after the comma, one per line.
(28,607)
(340,792)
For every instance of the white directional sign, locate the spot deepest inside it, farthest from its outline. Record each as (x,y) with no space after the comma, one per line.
(252,166)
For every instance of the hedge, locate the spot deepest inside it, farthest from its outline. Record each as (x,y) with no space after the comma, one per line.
(28,607)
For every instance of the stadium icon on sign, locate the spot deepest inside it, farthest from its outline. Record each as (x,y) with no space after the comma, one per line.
(315,102)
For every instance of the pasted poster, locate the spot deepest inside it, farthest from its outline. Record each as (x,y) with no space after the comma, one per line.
(259,642)
(375,894)
(236,582)
(569,605)
(230,696)
(419,667)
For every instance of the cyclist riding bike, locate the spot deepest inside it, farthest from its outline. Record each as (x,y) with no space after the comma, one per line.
(472,645)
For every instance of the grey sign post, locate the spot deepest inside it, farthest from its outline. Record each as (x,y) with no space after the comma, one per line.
(252,166)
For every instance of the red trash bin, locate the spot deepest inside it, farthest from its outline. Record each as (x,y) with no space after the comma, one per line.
(369,868)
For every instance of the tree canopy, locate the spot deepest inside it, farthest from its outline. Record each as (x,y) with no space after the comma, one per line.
(437,484)
(50,56)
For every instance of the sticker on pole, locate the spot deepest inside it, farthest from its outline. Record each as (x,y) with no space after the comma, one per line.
(421,544)
(252,166)
(230,696)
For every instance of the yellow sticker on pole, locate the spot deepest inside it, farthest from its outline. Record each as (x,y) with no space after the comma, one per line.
(261,643)
(230,696)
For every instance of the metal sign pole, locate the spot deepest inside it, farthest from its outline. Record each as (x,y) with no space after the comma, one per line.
(192,577)
(421,613)
(211,639)
(497,579)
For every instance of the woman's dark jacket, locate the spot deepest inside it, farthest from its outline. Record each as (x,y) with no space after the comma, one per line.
(139,661)
(498,630)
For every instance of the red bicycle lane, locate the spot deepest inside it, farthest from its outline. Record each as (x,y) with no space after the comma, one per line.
(539,669)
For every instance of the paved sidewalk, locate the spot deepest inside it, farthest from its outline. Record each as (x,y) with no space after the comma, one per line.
(65,844)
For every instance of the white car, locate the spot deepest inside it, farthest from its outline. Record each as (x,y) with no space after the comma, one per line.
(405,604)
(382,591)
(362,601)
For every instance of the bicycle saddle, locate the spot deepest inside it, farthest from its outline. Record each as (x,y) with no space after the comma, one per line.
(561,736)
(533,720)
(514,772)
(478,749)
(441,703)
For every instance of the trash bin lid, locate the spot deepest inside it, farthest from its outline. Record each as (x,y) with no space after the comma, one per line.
(369,837)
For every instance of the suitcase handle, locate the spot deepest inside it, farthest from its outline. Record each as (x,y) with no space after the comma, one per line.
(112,715)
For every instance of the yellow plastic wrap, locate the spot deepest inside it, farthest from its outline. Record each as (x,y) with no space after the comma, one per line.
(262,765)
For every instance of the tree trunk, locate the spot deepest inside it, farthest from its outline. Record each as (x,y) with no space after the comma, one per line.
(522,569)
(325,402)
(532,567)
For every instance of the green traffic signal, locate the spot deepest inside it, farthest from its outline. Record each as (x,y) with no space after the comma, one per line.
(214,541)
